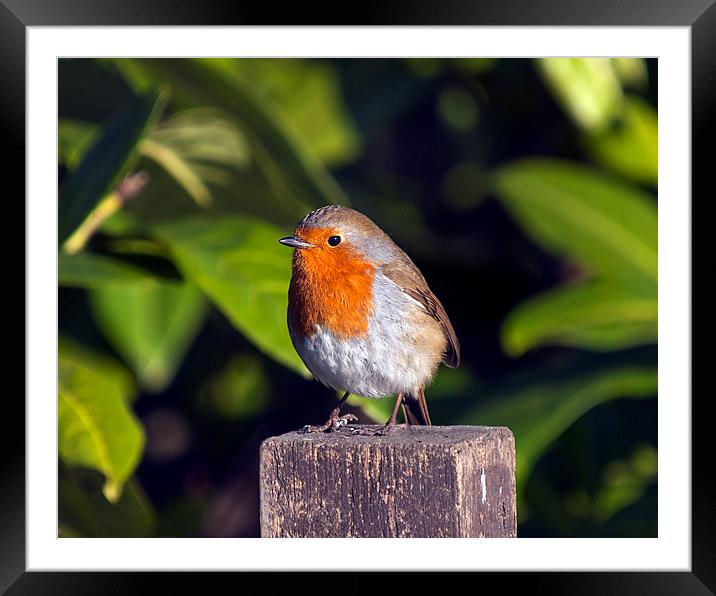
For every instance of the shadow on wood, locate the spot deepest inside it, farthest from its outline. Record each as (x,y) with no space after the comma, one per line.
(450,481)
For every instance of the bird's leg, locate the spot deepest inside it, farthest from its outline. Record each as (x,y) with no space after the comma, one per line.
(405,413)
(391,421)
(334,421)
(388,425)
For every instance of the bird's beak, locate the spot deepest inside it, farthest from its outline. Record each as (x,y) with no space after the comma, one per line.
(295,242)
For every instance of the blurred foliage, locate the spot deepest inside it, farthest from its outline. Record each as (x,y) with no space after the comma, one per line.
(238,391)
(151,327)
(89,270)
(539,413)
(103,164)
(605,226)
(619,129)
(96,427)
(524,189)
(84,512)
(238,264)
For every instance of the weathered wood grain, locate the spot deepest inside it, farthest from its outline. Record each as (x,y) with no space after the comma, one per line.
(453,481)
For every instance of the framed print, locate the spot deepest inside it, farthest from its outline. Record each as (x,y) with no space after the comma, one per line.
(534,164)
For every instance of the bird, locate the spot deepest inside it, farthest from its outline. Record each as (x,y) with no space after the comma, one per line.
(362,317)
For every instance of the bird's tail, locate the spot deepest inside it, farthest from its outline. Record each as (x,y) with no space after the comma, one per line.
(415,408)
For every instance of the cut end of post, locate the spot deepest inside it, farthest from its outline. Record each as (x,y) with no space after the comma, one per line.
(417,481)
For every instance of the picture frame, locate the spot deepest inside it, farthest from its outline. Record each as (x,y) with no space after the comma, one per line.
(700,16)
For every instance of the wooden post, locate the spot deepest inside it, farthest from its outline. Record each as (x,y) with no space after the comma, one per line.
(450,481)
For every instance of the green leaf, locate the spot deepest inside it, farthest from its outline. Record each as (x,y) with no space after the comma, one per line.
(620,131)
(84,512)
(588,88)
(105,162)
(87,270)
(73,139)
(194,147)
(288,164)
(577,212)
(179,169)
(198,148)
(631,145)
(541,411)
(96,428)
(203,137)
(110,369)
(597,316)
(308,92)
(631,71)
(150,326)
(239,264)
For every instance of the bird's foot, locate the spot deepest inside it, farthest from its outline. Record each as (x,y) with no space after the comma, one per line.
(339,421)
(333,423)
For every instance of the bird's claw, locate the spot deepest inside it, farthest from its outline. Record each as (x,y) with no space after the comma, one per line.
(333,424)
(343,421)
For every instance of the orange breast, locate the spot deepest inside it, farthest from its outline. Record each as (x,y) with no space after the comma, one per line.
(331,288)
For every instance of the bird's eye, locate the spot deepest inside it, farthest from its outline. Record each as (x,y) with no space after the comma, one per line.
(334,240)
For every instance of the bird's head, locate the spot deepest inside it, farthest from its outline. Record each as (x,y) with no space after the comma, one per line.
(336,238)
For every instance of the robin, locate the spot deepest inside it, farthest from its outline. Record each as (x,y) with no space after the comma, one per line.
(362,317)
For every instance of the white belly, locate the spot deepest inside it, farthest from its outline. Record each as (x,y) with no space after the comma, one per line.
(393,357)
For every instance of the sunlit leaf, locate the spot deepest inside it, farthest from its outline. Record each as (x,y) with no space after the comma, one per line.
(111,370)
(150,326)
(629,145)
(588,88)
(540,412)
(579,213)
(239,264)
(96,428)
(620,131)
(597,316)
(631,71)
(105,162)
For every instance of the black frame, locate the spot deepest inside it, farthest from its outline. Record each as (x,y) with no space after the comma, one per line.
(16,15)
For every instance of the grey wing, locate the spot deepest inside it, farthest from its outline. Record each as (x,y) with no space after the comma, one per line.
(408,278)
